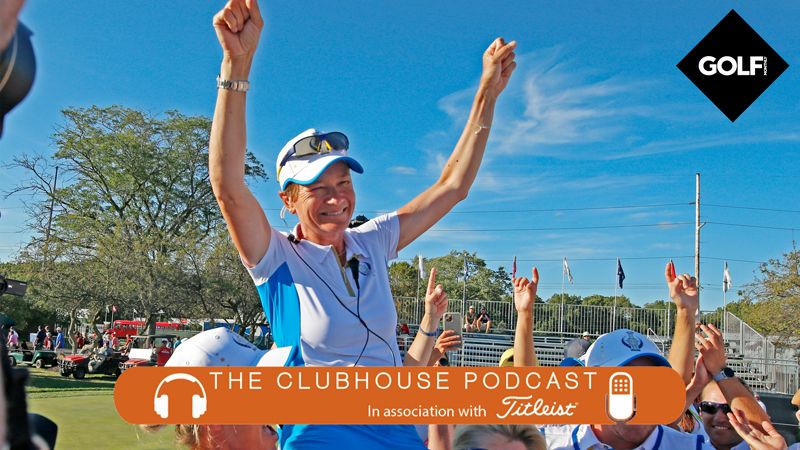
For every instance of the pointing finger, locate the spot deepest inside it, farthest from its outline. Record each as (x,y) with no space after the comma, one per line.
(432,280)
(668,273)
(535,276)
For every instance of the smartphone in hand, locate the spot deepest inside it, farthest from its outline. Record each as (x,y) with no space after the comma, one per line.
(453,321)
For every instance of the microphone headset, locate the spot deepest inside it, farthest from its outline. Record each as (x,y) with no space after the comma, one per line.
(352,264)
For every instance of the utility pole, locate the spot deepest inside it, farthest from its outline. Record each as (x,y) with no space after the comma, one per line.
(697,226)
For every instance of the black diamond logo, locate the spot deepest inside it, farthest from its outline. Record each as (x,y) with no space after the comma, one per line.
(732,65)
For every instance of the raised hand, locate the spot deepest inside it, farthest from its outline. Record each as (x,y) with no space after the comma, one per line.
(771,440)
(435,299)
(682,289)
(712,348)
(498,64)
(525,292)
(238,26)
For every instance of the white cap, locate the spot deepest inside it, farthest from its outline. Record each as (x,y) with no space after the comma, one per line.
(222,347)
(617,349)
(306,169)
(585,334)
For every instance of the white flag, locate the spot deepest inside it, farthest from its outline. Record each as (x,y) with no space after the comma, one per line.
(567,272)
(726,278)
(421,268)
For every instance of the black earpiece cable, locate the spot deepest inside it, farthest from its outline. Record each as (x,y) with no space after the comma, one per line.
(357,314)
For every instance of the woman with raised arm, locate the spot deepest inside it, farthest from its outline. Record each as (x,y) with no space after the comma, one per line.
(325,287)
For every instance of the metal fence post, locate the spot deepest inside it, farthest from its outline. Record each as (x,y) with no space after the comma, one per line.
(741,336)
(668,331)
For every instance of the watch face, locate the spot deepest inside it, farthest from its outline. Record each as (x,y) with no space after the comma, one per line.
(728,372)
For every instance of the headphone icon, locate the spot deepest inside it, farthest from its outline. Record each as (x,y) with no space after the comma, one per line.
(161,402)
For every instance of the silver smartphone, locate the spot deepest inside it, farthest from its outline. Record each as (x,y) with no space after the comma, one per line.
(453,321)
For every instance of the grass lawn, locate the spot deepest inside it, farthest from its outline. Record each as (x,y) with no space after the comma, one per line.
(85,414)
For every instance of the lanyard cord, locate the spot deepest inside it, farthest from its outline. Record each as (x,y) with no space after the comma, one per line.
(354,314)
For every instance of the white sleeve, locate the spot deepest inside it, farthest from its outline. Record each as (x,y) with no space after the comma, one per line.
(272,259)
(383,230)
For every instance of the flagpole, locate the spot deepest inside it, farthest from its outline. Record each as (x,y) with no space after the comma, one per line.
(464,294)
(724,311)
(561,322)
(725,287)
(614,310)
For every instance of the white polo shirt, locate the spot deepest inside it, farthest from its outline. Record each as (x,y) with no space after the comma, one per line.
(581,437)
(317,306)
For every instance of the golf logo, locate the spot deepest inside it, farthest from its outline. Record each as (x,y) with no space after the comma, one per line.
(732,65)
(620,402)
(632,342)
(161,401)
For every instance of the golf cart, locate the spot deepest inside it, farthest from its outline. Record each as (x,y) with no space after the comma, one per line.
(102,361)
(35,358)
(140,354)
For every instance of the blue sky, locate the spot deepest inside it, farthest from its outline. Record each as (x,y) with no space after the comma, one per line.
(596,115)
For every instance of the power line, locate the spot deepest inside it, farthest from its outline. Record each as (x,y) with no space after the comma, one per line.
(743,225)
(597,227)
(588,208)
(752,208)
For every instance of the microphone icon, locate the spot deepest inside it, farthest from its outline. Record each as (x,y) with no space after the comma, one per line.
(620,401)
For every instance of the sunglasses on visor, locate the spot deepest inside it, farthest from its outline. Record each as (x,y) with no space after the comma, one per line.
(712,407)
(321,143)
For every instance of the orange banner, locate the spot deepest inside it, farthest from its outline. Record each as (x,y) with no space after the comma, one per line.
(407,395)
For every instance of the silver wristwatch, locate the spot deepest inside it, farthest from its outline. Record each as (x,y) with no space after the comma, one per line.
(233,85)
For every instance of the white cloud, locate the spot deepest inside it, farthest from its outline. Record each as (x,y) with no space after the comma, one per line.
(553,107)
(402,170)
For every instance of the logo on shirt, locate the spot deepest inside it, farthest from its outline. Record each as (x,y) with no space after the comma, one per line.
(364,268)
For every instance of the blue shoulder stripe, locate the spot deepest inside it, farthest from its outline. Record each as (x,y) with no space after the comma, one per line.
(281,305)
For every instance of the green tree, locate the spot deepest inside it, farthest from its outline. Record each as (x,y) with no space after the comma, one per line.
(403,278)
(223,286)
(608,300)
(483,283)
(771,304)
(567,299)
(134,199)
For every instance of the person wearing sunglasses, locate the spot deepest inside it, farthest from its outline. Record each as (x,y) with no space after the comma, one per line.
(325,287)
(734,428)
